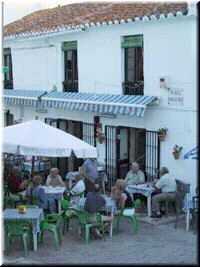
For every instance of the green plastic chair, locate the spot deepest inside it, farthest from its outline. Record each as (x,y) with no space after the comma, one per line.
(126,213)
(22,200)
(5,201)
(68,213)
(51,223)
(15,229)
(88,220)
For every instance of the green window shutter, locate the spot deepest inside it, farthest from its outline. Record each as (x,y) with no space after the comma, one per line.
(6,51)
(132,41)
(69,46)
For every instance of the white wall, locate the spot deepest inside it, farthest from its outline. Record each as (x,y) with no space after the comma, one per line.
(169,50)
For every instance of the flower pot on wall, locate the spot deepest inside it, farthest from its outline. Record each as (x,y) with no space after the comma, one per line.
(176,155)
(162,137)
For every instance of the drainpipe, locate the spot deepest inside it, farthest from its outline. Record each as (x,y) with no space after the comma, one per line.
(2,22)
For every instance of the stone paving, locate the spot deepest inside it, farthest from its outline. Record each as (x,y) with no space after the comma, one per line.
(154,244)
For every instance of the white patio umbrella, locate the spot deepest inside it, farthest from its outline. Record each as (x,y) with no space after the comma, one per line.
(35,138)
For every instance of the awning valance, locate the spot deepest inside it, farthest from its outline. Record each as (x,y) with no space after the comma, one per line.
(69,46)
(132,41)
(22,97)
(101,103)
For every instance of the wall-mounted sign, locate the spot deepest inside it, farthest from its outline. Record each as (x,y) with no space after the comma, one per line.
(175,97)
(41,110)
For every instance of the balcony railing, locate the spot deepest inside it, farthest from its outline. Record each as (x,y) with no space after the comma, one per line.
(133,88)
(8,84)
(70,86)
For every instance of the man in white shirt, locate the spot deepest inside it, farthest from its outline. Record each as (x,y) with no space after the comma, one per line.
(167,187)
(135,175)
(78,188)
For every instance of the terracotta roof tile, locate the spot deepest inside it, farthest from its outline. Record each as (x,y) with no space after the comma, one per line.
(82,13)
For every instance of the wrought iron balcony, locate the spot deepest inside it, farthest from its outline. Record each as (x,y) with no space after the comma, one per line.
(8,84)
(71,86)
(133,88)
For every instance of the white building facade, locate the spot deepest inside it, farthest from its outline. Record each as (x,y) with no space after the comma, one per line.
(169,48)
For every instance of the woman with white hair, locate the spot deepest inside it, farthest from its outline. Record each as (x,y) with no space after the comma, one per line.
(54,179)
(121,195)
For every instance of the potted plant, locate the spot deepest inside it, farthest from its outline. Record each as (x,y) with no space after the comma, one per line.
(101,137)
(176,151)
(162,133)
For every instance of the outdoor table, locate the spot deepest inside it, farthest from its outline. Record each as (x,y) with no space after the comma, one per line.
(55,192)
(187,206)
(32,216)
(110,207)
(101,173)
(38,166)
(144,189)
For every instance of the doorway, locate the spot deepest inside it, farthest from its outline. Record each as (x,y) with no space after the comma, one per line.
(125,145)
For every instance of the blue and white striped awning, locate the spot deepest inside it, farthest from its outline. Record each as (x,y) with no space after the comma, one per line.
(101,103)
(192,154)
(22,97)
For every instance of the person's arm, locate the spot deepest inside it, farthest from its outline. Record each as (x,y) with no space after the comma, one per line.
(127,176)
(77,189)
(84,171)
(158,186)
(61,183)
(141,178)
(112,195)
(48,181)
(88,178)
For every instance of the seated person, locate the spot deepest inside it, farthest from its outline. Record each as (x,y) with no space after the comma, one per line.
(135,176)
(166,190)
(36,192)
(54,179)
(16,184)
(121,195)
(77,188)
(94,202)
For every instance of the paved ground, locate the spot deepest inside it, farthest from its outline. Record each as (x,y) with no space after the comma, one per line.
(154,244)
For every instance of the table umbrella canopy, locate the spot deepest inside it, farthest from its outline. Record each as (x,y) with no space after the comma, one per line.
(192,154)
(35,138)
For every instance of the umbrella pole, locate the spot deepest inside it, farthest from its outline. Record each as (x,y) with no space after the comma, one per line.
(32,174)
(32,167)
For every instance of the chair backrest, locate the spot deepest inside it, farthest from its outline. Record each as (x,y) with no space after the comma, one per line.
(64,204)
(85,217)
(54,218)
(16,227)
(182,189)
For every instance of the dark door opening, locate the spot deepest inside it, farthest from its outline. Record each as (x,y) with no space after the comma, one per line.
(72,127)
(125,145)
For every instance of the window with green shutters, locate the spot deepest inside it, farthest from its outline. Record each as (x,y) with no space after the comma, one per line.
(7,69)
(133,64)
(70,84)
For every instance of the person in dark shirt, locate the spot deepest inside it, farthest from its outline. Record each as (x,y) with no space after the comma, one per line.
(93,204)
(16,184)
